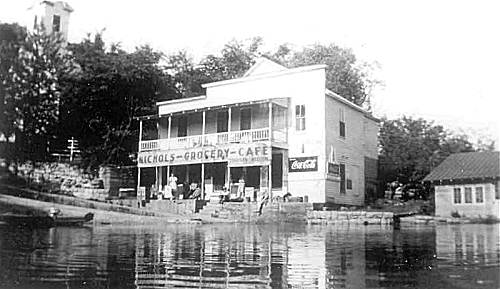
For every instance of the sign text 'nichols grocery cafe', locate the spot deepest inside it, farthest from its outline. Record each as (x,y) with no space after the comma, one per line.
(243,154)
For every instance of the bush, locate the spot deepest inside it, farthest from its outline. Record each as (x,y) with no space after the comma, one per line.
(455,214)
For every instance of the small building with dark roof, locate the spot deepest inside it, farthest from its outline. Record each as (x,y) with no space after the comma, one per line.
(467,184)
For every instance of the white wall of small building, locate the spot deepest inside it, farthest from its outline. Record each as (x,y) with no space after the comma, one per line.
(445,206)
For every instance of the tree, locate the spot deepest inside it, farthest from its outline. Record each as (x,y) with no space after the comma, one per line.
(31,91)
(102,97)
(345,75)
(411,148)
(235,59)
(12,37)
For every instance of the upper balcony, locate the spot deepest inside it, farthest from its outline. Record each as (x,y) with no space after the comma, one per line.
(215,126)
(214,139)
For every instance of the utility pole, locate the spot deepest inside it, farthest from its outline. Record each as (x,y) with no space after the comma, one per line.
(73,148)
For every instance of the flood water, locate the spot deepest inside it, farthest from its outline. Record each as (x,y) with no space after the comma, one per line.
(251,256)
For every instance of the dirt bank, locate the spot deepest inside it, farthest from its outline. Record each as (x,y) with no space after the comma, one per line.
(10,203)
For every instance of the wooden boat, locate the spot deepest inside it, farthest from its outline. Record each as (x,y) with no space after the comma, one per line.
(44,221)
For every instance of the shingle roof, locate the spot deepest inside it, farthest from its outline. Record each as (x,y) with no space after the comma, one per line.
(467,166)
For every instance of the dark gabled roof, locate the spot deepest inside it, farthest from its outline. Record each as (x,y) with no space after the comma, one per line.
(467,166)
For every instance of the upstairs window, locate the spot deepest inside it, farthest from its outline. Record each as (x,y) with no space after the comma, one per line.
(222,121)
(479,194)
(300,117)
(245,119)
(341,123)
(457,196)
(182,128)
(56,23)
(468,195)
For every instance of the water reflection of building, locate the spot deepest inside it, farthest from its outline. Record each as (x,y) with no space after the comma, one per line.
(210,256)
(471,243)
(469,255)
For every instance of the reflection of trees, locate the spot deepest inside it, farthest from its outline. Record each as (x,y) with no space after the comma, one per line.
(399,257)
(59,255)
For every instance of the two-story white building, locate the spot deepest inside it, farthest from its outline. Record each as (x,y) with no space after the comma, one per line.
(277,129)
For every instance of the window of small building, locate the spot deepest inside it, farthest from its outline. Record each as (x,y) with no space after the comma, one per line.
(479,194)
(56,23)
(341,123)
(457,196)
(497,190)
(342,179)
(348,184)
(468,195)
(245,119)
(300,117)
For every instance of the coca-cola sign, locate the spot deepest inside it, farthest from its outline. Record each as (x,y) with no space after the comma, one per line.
(304,164)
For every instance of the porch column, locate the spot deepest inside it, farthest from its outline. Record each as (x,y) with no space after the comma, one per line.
(270,121)
(168,137)
(140,133)
(157,184)
(270,184)
(169,129)
(202,161)
(228,122)
(138,168)
(228,140)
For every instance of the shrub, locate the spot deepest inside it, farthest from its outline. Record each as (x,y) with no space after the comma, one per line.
(455,214)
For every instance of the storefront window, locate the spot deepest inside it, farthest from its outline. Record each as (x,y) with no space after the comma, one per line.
(479,194)
(349,184)
(468,195)
(457,196)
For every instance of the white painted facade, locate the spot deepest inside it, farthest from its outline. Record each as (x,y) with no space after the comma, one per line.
(266,85)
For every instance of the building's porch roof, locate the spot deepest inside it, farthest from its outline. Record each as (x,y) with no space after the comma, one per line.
(282,102)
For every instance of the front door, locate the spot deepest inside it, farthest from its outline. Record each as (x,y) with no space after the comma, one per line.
(277,170)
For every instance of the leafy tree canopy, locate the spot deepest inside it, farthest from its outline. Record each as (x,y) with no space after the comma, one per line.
(30,92)
(345,75)
(411,148)
(103,95)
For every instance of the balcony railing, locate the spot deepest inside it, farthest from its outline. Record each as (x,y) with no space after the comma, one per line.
(243,136)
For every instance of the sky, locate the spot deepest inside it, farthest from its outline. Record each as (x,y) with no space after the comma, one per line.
(438,60)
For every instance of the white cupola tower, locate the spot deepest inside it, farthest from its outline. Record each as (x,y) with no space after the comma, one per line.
(53,16)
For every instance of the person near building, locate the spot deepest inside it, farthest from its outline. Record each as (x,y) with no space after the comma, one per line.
(172,182)
(194,191)
(241,187)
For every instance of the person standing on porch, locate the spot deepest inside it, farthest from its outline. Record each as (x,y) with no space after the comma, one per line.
(172,182)
(241,187)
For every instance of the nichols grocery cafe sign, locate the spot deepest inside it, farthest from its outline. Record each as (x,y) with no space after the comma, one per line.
(255,154)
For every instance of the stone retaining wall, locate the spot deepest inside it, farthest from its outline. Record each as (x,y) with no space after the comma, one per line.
(182,207)
(292,212)
(350,217)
